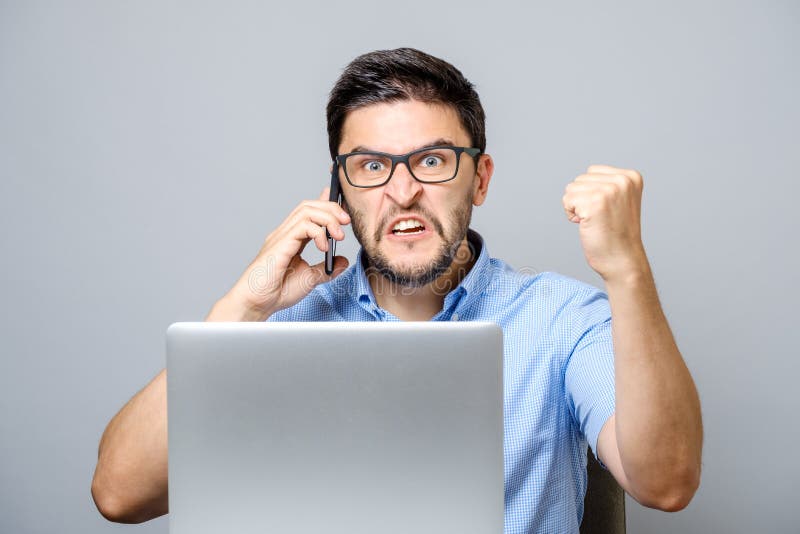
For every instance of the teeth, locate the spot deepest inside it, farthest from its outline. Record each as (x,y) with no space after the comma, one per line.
(407,224)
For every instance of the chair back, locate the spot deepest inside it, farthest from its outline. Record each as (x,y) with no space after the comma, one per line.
(604,504)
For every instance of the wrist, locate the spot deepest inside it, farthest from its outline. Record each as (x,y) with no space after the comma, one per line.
(232,309)
(632,279)
(632,271)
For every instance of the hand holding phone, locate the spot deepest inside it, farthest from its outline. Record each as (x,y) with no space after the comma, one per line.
(279,277)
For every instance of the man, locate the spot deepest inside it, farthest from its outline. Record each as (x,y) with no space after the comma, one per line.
(407,133)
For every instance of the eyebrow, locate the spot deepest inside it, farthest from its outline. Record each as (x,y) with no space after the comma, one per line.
(439,142)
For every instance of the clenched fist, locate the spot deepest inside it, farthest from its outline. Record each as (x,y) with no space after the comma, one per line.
(606,204)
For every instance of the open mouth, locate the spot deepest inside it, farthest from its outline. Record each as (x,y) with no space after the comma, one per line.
(408,227)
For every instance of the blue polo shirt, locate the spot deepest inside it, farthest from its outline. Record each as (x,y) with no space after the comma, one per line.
(558,373)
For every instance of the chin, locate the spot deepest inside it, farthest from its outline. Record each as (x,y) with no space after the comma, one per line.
(411,274)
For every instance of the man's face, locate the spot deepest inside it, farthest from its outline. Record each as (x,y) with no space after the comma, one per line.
(416,257)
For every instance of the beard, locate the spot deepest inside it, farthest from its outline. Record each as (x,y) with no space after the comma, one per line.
(416,275)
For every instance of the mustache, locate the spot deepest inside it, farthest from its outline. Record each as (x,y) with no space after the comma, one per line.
(413,210)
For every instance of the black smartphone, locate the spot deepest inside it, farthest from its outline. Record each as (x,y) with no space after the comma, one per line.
(335,196)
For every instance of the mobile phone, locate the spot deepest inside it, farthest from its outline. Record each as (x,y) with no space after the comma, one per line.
(335,196)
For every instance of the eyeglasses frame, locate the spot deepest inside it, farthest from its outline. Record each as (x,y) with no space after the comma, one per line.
(404,158)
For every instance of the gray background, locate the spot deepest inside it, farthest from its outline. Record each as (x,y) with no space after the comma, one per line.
(147,148)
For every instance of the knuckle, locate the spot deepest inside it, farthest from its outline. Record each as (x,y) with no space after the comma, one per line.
(624,181)
(633,177)
(305,207)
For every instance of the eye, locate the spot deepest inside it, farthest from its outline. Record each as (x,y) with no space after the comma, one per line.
(431,160)
(373,165)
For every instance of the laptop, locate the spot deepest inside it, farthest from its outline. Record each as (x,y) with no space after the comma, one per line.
(335,427)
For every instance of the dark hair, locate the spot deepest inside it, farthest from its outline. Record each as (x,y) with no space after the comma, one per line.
(403,74)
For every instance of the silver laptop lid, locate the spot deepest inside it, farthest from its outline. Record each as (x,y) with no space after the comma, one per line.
(335,427)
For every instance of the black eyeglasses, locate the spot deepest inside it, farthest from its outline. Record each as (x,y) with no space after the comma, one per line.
(429,165)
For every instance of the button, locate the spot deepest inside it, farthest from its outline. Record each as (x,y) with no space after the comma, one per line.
(454,317)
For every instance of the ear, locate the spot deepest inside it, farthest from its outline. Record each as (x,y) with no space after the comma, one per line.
(483,176)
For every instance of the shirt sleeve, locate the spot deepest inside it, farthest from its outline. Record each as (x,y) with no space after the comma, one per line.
(589,374)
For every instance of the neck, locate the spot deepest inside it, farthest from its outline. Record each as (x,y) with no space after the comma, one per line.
(422,303)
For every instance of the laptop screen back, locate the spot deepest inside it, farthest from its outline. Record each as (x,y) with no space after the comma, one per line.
(335,427)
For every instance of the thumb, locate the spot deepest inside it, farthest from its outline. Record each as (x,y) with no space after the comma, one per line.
(316,273)
(326,193)
(340,264)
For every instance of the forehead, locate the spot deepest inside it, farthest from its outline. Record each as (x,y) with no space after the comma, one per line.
(399,127)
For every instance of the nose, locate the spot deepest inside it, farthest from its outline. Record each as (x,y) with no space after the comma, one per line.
(403,189)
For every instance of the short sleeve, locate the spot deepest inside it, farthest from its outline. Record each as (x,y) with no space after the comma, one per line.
(589,374)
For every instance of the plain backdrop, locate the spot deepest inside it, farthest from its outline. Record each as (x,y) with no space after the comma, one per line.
(147,148)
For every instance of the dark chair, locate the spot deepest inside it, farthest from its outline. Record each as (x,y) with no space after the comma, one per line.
(604,505)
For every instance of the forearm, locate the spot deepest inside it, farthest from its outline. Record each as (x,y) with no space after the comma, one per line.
(130,481)
(658,423)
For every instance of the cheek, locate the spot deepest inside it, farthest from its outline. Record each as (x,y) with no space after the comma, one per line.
(358,220)
(363,208)
(460,200)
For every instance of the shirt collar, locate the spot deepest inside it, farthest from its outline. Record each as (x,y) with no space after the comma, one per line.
(470,287)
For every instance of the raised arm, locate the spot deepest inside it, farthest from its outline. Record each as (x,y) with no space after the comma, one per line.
(653,443)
